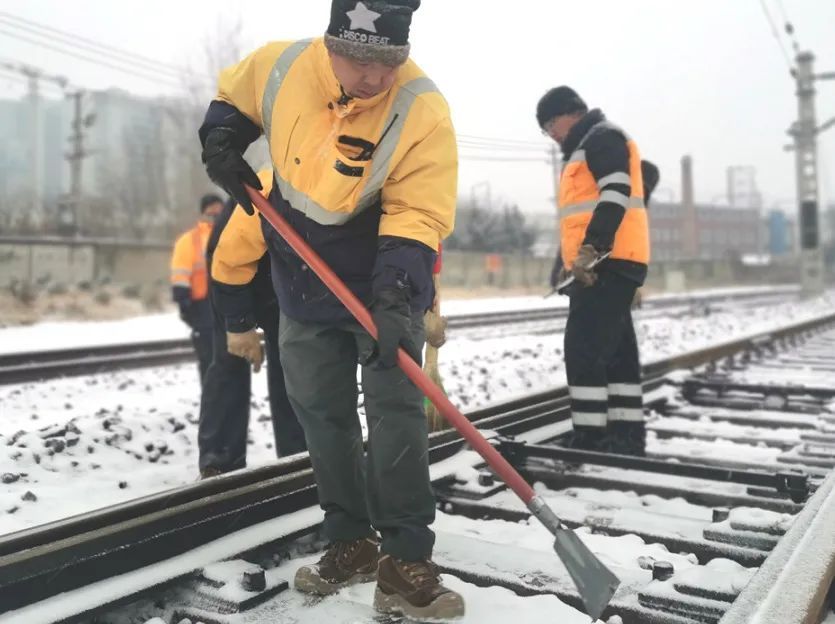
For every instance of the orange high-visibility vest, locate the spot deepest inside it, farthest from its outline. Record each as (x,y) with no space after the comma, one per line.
(188,262)
(580,194)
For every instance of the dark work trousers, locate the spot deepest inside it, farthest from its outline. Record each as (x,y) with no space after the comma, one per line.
(202,339)
(601,353)
(198,316)
(388,488)
(225,401)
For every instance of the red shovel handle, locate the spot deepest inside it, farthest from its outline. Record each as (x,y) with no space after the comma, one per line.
(503,469)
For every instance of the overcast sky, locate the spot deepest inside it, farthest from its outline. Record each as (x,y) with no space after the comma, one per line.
(704,77)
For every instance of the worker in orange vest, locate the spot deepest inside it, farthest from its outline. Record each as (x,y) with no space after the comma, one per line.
(190,280)
(601,211)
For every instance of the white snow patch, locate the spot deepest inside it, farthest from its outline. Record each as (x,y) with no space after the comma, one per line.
(150,404)
(104,592)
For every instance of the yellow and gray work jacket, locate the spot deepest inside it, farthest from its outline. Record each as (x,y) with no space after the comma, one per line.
(369,183)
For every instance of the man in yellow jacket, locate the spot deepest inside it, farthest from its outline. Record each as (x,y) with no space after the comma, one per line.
(190,280)
(602,210)
(364,167)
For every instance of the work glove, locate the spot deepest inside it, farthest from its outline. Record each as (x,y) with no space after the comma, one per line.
(246,345)
(227,168)
(435,327)
(582,268)
(392,316)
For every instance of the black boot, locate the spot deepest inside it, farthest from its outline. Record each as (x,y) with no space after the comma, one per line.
(628,438)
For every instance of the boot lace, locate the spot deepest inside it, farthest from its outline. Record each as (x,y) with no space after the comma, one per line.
(340,553)
(421,573)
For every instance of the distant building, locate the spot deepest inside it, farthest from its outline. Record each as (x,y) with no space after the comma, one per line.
(18,155)
(715,232)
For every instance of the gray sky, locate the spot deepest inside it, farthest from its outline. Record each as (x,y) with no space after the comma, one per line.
(705,78)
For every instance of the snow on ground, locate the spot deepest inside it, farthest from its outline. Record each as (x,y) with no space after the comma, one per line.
(705,427)
(69,334)
(122,435)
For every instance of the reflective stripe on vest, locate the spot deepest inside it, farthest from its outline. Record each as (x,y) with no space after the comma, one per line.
(589,206)
(580,195)
(379,165)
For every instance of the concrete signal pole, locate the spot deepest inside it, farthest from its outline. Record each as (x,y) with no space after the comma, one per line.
(75,156)
(805,132)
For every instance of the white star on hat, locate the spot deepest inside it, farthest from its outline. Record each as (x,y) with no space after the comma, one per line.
(363,18)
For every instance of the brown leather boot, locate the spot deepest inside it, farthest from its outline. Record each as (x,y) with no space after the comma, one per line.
(210,471)
(343,564)
(414,589)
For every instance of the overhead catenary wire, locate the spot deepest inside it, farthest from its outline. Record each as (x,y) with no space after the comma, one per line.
(6,74)
(501,148)
(9,71)
(776,33)
(103,55)
(788,26)
(482,139)
(501,159)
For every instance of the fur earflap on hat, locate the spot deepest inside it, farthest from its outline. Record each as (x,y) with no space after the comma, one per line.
(371,30)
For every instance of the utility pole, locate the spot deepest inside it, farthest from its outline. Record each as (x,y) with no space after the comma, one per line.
(805,132)
(75,157)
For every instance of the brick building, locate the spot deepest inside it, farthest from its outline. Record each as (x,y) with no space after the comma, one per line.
(716,232)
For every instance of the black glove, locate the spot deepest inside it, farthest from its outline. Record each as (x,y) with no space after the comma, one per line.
(227,168)
(393,318)
(185,313)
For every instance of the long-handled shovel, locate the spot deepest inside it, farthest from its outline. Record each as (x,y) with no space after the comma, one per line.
(595,583)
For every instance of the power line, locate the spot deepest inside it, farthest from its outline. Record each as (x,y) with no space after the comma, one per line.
(8,75)
(134,72)
(481,139)
(89,44)
(789,27)
(501,148)
(502,159)
(776,34)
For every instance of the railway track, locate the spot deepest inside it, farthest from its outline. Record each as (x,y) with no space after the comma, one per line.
(732,507)
(50,364)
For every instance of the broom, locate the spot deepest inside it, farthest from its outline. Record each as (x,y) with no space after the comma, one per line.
(435,327)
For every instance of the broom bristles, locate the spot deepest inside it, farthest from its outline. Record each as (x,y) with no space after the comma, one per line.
(433,416)
(435,334)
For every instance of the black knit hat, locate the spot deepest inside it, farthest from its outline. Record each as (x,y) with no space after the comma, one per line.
(208,200)
(559,101)
(371,30)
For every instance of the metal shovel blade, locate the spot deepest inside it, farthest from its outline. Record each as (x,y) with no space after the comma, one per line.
(595,582)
